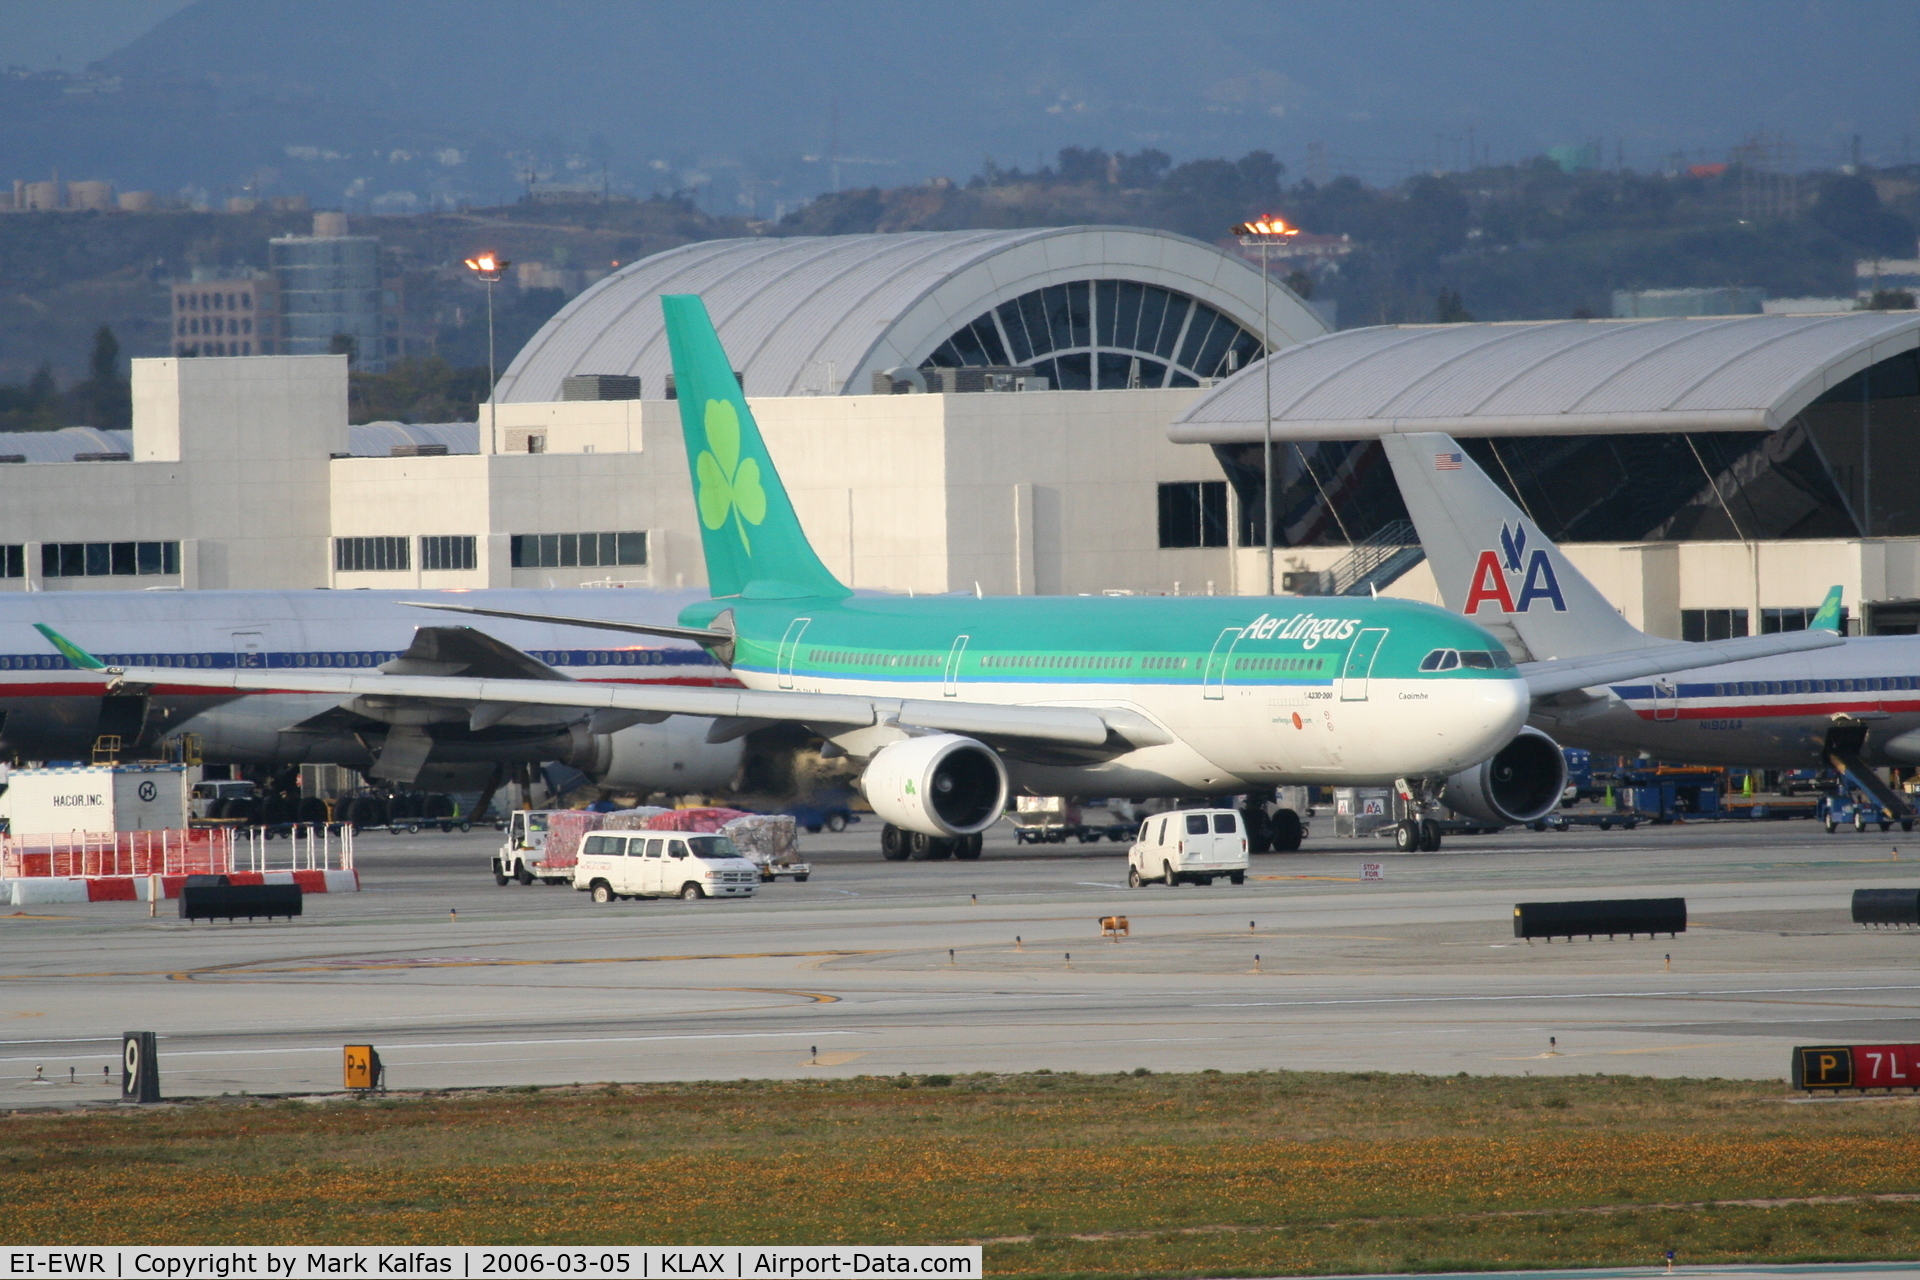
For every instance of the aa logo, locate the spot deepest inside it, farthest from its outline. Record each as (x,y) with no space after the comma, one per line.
(1494,571)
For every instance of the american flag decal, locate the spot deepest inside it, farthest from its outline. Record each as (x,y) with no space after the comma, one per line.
(1448,461)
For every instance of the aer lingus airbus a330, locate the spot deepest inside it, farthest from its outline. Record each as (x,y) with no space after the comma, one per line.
(951,701)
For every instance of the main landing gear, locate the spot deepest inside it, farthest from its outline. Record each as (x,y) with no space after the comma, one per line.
(1416,835)
(897,845)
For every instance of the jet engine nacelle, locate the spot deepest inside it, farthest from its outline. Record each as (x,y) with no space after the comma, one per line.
(939,785)
(673,756)
(1521,783)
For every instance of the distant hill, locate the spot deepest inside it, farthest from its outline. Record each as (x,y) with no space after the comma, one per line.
(756,105)
(1505,242)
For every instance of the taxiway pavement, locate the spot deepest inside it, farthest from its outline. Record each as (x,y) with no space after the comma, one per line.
(880,968)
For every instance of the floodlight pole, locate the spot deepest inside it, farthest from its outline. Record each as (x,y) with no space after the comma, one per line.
(493,428)
(489,267)
(1261,231)
(1266,383)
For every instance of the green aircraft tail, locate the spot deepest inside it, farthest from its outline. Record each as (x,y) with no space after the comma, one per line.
(1828,619)
(69,650)
(753,541)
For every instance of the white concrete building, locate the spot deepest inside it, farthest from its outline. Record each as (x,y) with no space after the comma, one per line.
(243,472)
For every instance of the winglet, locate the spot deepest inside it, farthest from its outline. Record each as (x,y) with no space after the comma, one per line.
(69,650)
(1829,616)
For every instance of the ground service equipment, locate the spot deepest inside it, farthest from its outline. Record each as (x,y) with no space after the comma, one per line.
(1611,916)
(1886,906)
(238,901)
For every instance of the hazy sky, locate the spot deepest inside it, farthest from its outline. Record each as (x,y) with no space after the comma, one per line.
(65,35)
(455,99)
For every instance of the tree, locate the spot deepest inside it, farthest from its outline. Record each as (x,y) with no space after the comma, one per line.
(36,406)
(104,399)
(1144,168)
(104,363)
(345,344)
(1849,206)
(1300,282)
(1448,309)
(417,390)
(1891,300)
(1083,164)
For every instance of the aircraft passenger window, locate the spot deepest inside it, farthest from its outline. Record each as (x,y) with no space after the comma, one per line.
(1223,824)
(1196,824)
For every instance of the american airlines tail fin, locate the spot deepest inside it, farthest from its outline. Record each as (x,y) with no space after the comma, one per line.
(1494,565)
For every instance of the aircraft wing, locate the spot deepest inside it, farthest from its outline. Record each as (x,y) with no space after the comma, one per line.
(1564,675)
(1078,726)
(700,635)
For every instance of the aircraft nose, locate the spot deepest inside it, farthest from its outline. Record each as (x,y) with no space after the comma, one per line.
(1493,712)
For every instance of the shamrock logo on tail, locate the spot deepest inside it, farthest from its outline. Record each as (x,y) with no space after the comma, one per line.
(729,485)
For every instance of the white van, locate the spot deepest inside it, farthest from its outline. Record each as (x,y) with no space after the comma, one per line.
(662,864)
(1194,846)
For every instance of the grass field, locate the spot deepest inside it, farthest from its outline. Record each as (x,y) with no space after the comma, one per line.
(1058,1175)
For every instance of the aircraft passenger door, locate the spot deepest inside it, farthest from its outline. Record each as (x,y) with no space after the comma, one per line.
(1213,680)
(789,644)
(1353,677)
(950,687)
(249,650)
(1666,700)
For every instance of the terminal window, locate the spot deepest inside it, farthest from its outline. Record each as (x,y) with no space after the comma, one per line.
(107,559)
(1773,620)
(566,550)
(1712,624)
(13,560)
(447,553)
(370,555)
(1193,514)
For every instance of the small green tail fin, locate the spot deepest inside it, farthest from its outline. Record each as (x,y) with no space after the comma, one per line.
(1828,619)
(69,650)
(753,541)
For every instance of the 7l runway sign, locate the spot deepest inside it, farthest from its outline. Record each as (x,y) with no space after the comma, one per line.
(1857,1066)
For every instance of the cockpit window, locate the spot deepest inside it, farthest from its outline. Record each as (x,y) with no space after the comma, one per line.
(1481,660)
(1440,660)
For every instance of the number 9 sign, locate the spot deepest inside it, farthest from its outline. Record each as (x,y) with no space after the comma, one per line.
(140,1067)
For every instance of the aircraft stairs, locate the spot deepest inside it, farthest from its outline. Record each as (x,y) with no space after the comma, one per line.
(1374,562)
(1844,743)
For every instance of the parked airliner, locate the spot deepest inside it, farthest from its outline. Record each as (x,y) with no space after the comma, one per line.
(51,709)
(1851,705)
(950,702)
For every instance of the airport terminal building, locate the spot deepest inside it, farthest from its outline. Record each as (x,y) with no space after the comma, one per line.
(1042,411)
(947,409)
(1714,476)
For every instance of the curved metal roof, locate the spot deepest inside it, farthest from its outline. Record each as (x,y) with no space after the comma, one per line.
(1562,377)
(377,439)
(821,314)
(64,444)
